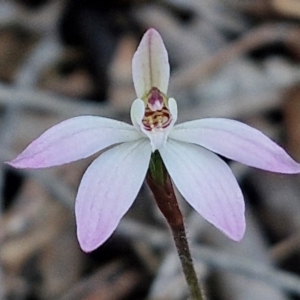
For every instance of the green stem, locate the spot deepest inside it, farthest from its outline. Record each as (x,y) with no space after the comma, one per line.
(161,186)
(187,262)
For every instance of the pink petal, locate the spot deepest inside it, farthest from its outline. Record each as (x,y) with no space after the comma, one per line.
(74,139)
(207,183)
(236,141)
(108,189)
(150,64)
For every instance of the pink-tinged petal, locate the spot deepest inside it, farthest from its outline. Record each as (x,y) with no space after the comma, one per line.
(237,141)
(108,189)
(150,65)
(207,183)
(74,139)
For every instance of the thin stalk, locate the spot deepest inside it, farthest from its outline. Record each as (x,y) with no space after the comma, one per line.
(187,262)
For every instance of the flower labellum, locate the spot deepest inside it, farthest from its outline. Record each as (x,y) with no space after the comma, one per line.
(112,182)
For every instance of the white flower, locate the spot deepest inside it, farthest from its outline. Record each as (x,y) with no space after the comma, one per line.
(111,183)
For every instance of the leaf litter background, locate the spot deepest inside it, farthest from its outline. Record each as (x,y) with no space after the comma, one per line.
(229,58)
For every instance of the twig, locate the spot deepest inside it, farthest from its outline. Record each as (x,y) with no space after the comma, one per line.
(255,38)
(247,267)
(286,248)
(45,53)
(46,101)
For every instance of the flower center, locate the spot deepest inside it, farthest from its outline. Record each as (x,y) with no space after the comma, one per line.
(157,115)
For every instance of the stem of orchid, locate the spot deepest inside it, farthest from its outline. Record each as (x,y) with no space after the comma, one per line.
(161,186)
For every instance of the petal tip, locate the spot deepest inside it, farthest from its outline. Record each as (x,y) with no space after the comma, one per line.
(152,32)
(16,163)
(88,242)
(237,233)
(87,248)
(150,64)
(10,163)
(26,162)
(238,236)
(293,168)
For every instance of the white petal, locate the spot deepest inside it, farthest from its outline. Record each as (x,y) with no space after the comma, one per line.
(107,190)
(172,105)
(137,113)
(74,139)
(150,65)
(208,184)
(236,141)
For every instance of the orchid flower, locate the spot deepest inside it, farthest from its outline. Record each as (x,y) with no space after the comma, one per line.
(112,182)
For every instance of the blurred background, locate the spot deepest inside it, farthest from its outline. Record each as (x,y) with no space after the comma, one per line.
(229,58)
